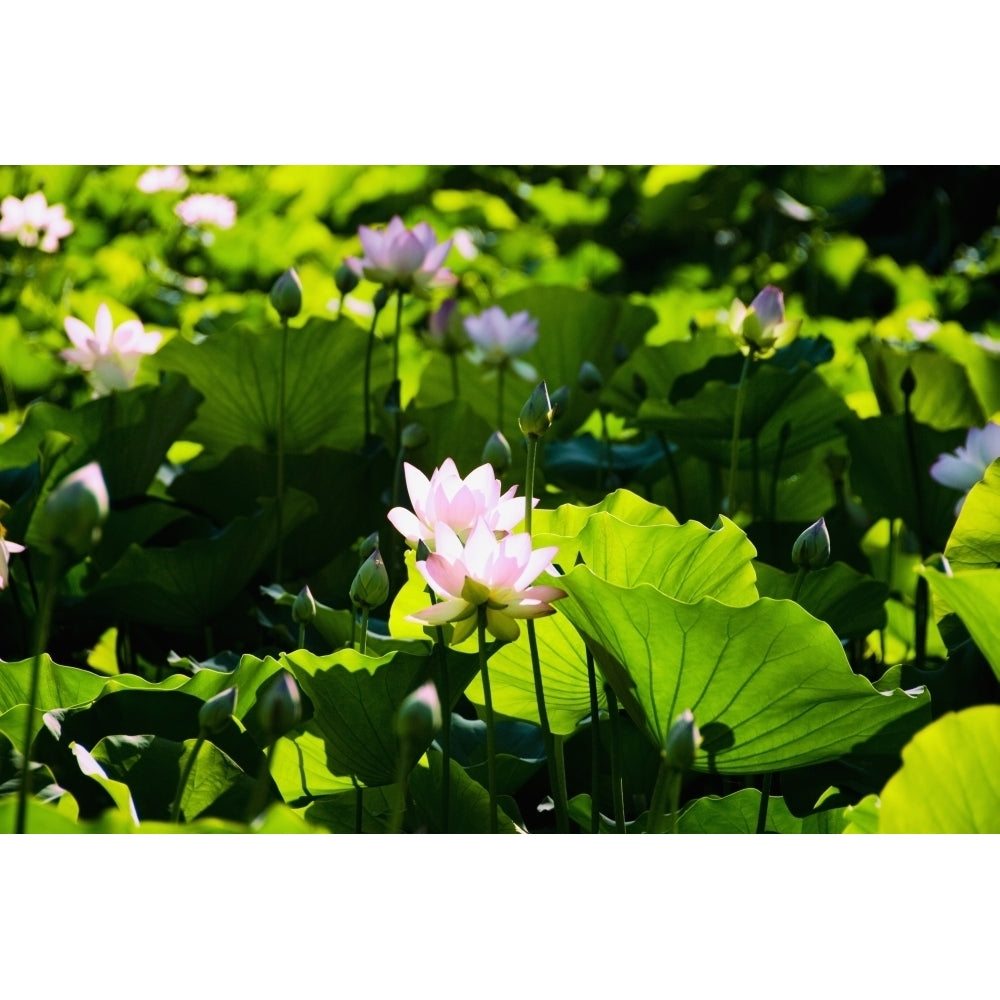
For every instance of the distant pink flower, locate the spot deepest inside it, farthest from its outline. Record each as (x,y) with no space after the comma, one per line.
(207,209)
(406,259)
(447,498)
(987,343)
(162,179)
(963,469)
(761,328)
(33,222)
(7,549)
(923,329)
(498,340)
(109,356)
(486,572)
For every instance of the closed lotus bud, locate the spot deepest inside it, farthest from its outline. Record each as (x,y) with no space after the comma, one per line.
(812,548)
(371,582)
(345,279)
(304,607)
(536,414)
(281,706)
(419,716)
(214,715)
(683,742)
(368,546)
(559,400)
(76,509)
(590,377)
(414,436)
(381,299)
(908,382)
(497,453)
(286,294)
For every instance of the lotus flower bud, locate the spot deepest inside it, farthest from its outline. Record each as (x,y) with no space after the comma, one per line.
(286,294)
(497,453)
(280,706)
(304,607)
(414,436)
(536,415)
(368,546)
(381,299)
(908,382)
(76,509)
(683,741)
(371,583)
(345,279)
(620,353)
(216,712)
(812,548)
(590,377)
(419,716)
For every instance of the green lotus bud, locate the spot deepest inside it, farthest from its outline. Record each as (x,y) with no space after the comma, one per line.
(304,607)
(368,546)
(683,742)
(371,582)
(345,279)
(414,436)
(381,299)
(559,400)
(419,716)
(215,714)
(536,414)
(908,382)
(590,377)
(812,548)
(497,453)
(286,294)
(75,510)
(280,706)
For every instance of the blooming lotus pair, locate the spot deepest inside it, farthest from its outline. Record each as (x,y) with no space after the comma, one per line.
(474,561)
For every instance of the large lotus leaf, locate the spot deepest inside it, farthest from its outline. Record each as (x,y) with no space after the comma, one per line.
(881,474)
(974,595)
(949,781)
(41,817)
(975,540)
(943,397)
(769,685)
(585,463)
(339,813)
(58,686)
(355,700)
(186,586)
(863,818)
(117,791)
(737,813)
(573,326)
(851,603)
(237,372)
(299,769)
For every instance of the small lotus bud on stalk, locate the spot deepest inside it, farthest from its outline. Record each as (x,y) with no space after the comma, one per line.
(371,583)
(381,299)
(419,716)
(75,510)
(682,743)
(280,706)
(304,607)
(908,382)
(812,548)
(414,436)
(590,377)
(216,712)
(559,400)
(497,453)
(536,415)
(345,279)
(620,353)
(286,295)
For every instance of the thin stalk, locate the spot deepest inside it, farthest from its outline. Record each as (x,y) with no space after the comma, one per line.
(282,376)
(367,400)
(666,792)
(595,745)
(454,376)
(302,635)
(500,373)
(529,480)
(617,788)
(734,451)
(359,805)
(175,812)
(675,478)
(921,607)
(399,809)
(365,611)
(800,578)
(445,728)
(395,367)
(772,507)
(491,738)
(765,796)
(41,639)
(755,475)
(604,460)
(258,800)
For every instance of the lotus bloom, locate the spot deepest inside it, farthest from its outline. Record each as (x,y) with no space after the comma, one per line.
(761,328)
(407,260)
(207,210)
(498,340)
(923,329)
(486,572)
(109,356)
(446,498)
(7,549)
(33,222)
(967,466)
(162,179)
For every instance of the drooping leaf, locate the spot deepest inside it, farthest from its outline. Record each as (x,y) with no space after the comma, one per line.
(975,539)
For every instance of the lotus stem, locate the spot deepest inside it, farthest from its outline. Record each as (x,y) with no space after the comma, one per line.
(617,789)
(595,745)
(282,376)
(491,739)
(734,451)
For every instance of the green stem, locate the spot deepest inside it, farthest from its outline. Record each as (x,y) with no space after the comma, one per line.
(367,400)
(553,752)
(281,451)
(395,368)
(765,796)
(491,738)
(734,451)
(364,629)
(302,635)
(175,812)
(675,478)
(399,809)
(666,790)
(595,745)
(617,788)
(500,372)
(445,729)
(359,805)
(799,580)
(529,480)
(921,608)
(41,639)
(258,800)
(454,376)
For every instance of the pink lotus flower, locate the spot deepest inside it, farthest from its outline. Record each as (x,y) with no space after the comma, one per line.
(486,572)
(498,340)
(923,329)
(162,179)
(967,466)
(33,222)
(446,498)
(207,210)
(109,356)
(7,549)
(761,328)
(405,259)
